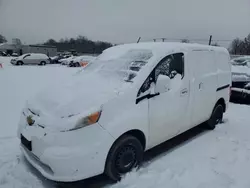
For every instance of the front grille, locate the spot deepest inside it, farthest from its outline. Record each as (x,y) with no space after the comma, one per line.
(35,159)
(26,143)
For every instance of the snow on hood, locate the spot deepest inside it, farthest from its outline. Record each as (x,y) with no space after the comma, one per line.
(61,106)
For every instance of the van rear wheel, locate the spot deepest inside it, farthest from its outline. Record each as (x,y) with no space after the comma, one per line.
(124,155)
(216,117)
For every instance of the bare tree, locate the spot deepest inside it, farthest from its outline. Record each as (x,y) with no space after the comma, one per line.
(235,46)
(79,44)
(215,44)
(185,41)
(2,39)
(50,42)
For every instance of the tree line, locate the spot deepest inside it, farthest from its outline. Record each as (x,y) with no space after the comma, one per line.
(2,39)
(79,44)
(240,46)
(84,45)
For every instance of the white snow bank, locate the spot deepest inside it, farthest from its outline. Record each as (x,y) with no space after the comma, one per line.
(13,170)
(5,61)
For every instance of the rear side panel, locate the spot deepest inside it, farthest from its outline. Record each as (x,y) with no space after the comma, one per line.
(204,84)
(224,76)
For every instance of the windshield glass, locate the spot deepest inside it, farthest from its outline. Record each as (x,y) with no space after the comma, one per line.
(124,64)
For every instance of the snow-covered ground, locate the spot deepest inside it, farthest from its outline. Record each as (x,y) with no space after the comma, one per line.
(211,159)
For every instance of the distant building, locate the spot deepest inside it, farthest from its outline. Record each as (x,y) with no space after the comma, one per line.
(43,49)
(20,49)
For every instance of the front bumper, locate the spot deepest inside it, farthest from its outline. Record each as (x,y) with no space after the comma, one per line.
(240,95)
(68,156)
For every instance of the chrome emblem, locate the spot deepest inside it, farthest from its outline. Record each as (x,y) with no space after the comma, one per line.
(30,121)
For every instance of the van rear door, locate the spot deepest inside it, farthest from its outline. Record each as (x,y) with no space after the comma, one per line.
(204,84)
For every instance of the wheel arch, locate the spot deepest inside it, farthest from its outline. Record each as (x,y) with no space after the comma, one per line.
(222,102)
(135,133)
(19,61)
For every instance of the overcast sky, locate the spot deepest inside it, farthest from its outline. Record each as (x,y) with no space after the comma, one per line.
(121,21)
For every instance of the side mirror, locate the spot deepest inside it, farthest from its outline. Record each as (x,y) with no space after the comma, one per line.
(162,84)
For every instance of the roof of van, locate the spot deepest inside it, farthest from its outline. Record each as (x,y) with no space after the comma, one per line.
(159,47)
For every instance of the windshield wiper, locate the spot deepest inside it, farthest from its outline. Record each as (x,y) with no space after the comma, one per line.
(33,112)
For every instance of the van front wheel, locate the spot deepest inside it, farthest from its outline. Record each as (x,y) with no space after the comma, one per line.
(124,155)
(216,117)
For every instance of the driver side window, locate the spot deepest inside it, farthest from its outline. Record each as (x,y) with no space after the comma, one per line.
(169,66)
(26,57)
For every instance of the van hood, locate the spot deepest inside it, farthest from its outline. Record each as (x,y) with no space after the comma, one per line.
(81,96)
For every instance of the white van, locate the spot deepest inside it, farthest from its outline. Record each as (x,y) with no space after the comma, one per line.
(31,59)
(130,99)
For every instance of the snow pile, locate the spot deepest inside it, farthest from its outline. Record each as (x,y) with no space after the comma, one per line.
(60,107)
(19,83)
(13,169)
(5,61)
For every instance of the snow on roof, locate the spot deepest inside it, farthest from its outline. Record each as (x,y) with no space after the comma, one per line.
(159,47)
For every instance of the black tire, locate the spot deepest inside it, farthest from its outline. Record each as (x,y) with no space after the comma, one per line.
(216,117)
(78,64)
(43,63)
(19,63)
(125,154)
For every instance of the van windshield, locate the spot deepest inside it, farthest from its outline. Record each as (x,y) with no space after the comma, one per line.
(124,64)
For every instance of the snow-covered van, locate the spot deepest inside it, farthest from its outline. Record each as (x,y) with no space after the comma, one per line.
(130,99)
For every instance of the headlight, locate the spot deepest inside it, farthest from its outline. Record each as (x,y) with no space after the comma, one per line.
(88,120)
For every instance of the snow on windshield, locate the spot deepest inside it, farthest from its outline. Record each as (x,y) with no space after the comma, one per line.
(126,64)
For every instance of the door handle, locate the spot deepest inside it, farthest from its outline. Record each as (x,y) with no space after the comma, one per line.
(184,91)
(200,86)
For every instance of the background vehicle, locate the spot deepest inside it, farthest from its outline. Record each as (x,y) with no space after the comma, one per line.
(55,60)
(67,60)
(14,55)
(132,98)
(3,53)
(81,61)
(31,59)
(240,91)
(243,61)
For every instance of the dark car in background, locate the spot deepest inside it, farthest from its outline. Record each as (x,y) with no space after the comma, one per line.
(55,60)
(3,53)
(240,91)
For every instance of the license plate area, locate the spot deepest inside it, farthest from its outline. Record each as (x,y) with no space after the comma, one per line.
(26,143)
